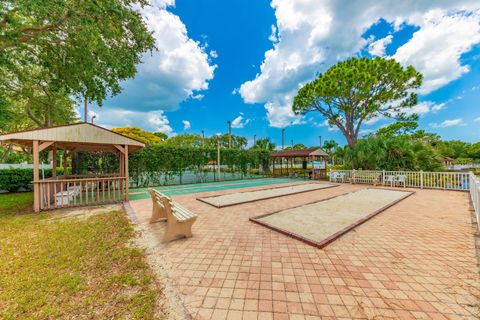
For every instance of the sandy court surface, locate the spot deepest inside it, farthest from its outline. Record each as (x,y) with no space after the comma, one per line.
(320,220)
(268,193)
(415,260)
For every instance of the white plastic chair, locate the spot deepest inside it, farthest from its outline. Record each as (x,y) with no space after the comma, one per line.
(402,179)
(389,178)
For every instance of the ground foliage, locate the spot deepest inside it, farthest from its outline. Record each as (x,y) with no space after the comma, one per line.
(71,268)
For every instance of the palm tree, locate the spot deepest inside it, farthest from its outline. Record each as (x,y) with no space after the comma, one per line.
(329,146)
(264,144)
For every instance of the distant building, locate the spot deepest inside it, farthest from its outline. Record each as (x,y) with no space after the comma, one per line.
(447,162)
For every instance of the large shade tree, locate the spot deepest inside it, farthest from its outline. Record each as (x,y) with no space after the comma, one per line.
(82,48)
(357,90)
(53,51)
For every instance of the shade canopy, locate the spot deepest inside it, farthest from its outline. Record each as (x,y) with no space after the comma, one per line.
(78,137)
(300,153)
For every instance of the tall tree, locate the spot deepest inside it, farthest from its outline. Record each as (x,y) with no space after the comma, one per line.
(82,48)
(330,145)
(185,140)
(264,144)
(357,90)
(139,134)
(297,146)
(397,128)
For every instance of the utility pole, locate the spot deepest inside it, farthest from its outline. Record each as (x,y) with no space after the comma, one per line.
(203,138)
(254,139)
(218,159)
(283,138)
(229,134)
(292,143)
(85,110)
(320,137)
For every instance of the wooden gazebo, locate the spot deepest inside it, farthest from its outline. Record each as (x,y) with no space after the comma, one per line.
(76,190)
(316,158)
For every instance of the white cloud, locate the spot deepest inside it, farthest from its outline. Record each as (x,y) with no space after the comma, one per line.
(186,124)
(364,132)
(314,34)
(477,119)
(198,97)
(177,70)
(148,120)
(273,36)
(378,47)
(239,122)
(425,107)
(436,48)
(213,54)
(447,123)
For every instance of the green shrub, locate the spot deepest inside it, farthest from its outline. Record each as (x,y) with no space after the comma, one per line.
(15,179)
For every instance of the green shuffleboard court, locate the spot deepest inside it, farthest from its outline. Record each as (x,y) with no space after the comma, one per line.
(142,193)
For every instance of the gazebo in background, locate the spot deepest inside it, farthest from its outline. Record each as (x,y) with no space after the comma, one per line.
(313,159)
(76,190)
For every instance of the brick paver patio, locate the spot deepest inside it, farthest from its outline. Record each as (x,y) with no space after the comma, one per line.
(414,260)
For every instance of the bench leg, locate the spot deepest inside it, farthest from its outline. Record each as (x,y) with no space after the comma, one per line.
(157,214)
(178,229)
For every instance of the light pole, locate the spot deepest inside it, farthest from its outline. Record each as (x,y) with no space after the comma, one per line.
(229,133)
(218,159)
(292,143)
(254,139)
(85,110)
(203,138)
(93,118)
(320,137)
(283,138)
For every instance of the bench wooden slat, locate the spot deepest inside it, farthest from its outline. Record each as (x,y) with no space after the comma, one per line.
(180,213)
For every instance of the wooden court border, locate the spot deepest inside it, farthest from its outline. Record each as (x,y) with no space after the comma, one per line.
(321,244)
(267,198)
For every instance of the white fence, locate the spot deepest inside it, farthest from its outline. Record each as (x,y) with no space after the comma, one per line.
(23,166)
(475,196)
(463,181)
(413,179)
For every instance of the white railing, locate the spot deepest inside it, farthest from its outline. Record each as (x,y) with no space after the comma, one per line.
(412,179)
(475,196)
(61,193)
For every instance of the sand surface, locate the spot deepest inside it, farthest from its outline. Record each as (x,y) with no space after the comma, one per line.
(242,197)
(322,219)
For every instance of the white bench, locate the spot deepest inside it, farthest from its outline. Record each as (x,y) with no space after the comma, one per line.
(179,219)
(63,198)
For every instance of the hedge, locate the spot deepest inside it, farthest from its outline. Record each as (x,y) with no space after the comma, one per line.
(174,161)
(16,179)
(150,161)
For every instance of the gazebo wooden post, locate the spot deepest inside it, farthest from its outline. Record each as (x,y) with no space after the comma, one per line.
(122,163)
(54,161)
(36,189)
(126,172)
(65,163)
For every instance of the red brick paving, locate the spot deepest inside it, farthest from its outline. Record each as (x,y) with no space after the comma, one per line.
(415,260)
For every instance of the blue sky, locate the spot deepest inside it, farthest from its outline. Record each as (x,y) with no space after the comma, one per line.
(244,60)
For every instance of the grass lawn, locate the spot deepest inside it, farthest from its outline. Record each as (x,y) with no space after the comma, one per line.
(71,267)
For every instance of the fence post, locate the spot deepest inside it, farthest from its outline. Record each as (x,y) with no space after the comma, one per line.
(421,179)
(383,177)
